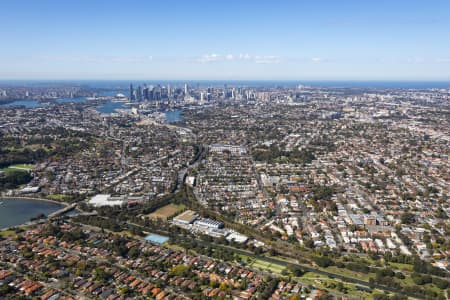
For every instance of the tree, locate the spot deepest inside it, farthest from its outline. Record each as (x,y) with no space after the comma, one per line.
(323,261)
(407,218)
(296,270)
(102,275)
(180,270)
(134,252)
(223,287)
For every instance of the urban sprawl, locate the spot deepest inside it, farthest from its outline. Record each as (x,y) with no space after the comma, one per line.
(266,192)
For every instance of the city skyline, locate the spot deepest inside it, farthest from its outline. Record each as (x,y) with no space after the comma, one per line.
(149,40)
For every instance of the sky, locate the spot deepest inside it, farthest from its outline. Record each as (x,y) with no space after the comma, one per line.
(225,40)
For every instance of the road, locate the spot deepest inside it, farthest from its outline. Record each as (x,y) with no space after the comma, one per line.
(278,261)
(182,172)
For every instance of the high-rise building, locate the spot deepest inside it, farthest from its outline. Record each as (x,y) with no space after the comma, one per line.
(139,93)
(225,91)
(146,95)
(132,98)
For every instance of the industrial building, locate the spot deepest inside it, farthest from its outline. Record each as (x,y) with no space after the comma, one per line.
(186,218)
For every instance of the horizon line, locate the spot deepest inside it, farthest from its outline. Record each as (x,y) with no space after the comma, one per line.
(185,79)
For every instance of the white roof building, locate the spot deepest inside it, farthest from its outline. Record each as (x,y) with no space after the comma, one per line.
(105,200)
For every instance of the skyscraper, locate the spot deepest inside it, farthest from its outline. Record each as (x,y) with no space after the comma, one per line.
(132,98)
(139,93)
(146,96)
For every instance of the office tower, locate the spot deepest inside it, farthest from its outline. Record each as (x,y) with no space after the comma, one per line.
(151,93)
(186,89)
(156,93)
(164,93)
(139,93)
(132,98)
(146,95)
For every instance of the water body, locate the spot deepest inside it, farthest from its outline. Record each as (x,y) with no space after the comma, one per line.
(25,103)
(71,100)
(112,93)
(15,212)
(110,107)
(29,103)
(174,116)
(35,103)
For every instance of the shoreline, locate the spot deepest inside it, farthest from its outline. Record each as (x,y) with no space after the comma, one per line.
(33,199)
(27,223)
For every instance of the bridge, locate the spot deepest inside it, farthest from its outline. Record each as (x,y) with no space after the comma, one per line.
(62,211)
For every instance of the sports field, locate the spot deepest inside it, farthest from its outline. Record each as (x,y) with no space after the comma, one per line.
(166,211)
(18,167)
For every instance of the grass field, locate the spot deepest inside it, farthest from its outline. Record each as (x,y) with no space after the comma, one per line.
(262,265)
(58,197)
(348,273)
(166,211)
(405,267)
(19,167)
(173,246)
(25,167)
(326,282)
(6,233)
(266,266)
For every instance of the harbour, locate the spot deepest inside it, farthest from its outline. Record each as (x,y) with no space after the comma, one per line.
(16,211)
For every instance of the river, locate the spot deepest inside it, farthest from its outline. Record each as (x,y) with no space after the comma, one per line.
(107,107)
(15,212)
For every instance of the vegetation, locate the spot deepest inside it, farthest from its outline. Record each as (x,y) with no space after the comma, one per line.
(167,211)
(273,154)
(13,179)
(180,270)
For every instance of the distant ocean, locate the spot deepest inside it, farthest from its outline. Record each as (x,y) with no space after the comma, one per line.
(124,84)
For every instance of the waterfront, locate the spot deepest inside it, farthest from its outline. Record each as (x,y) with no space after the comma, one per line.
(174,116)
(107,107)
(30,103)
(25,103)
(110,107)
(15,212)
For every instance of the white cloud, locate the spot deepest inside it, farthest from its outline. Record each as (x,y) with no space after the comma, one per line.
(259,59)
(210,58)
(268,59)
(316,60)
(416,60)
(244,56)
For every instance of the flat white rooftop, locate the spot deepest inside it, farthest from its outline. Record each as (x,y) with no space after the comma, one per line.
(103,200)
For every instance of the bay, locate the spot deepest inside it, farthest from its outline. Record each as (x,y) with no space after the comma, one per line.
(174,116)
(15,212)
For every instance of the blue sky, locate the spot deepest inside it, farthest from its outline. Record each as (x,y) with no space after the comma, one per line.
(270,40)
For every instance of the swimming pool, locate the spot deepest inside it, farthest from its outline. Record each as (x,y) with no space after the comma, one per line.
(156,238)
